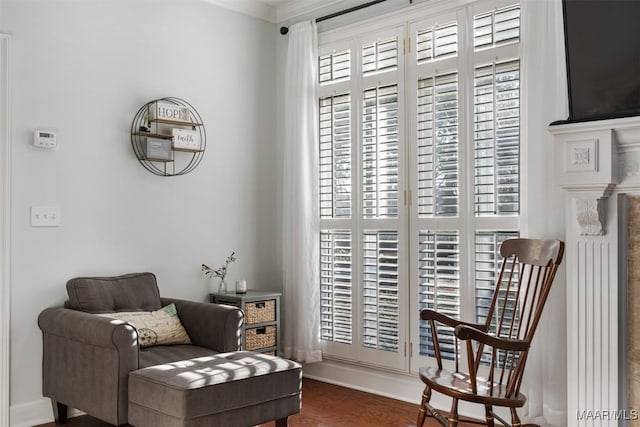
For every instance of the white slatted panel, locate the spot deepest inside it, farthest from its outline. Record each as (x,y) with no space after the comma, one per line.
(336,287)
(438,150)
(438,42)
(495,28)
(488,263)
(335,156)
(439,286)
(380,290)
(334,67)
(381,55)
(380,152)
(487,266)
(497,138)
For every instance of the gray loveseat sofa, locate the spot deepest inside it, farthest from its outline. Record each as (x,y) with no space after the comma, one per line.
(87,358)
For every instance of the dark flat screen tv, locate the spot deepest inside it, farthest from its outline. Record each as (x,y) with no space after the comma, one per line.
(602,41)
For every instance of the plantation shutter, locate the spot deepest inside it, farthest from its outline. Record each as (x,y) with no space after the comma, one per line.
(438,151)
(380,55)
(437,42)
(380,152)
(380,197)
(334,66)
(419,176)
(498,27)
(439,286)
(487,266)
(336,286)
(497,138)
(380,285)
(335,156)
(336,197)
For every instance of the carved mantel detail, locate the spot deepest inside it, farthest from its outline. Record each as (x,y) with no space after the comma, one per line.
(584,167)
(581,156)
(591,215)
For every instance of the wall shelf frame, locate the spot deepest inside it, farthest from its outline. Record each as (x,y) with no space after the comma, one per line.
(153,137)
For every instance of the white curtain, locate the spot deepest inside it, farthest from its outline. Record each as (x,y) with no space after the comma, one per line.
(301,246)
(544,85)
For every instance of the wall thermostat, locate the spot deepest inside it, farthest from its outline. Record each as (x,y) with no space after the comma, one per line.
(45,139)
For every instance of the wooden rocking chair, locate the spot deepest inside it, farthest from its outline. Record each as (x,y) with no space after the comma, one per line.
(501,344)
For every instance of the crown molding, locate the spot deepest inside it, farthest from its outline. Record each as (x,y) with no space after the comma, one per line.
(248,7)
(287,11)
(294,9)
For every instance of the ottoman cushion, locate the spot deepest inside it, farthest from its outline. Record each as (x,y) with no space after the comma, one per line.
(161,354)
(205,386)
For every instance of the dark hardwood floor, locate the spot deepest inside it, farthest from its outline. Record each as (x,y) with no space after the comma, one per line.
(327,405)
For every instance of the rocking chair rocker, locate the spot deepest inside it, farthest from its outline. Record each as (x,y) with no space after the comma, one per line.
(501,344)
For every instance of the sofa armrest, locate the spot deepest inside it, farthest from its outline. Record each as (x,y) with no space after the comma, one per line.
(86,360)
(88,328)
(214,326)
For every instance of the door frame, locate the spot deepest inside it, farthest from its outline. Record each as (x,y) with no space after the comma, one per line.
(5,229)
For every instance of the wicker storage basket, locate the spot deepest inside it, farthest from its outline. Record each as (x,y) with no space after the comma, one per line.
(257,338)
(260,311)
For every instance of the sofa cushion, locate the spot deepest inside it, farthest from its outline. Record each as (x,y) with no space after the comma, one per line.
(160,327)
(157,355)
(129,292)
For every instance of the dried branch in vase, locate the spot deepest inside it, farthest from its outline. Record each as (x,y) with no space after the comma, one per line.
(219,272)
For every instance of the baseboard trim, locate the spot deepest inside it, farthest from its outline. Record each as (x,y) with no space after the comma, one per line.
(393,385)
(398,385)
(35,413)
(31,414)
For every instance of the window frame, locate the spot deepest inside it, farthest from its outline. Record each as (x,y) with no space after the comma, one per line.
(356,352)
(410,223)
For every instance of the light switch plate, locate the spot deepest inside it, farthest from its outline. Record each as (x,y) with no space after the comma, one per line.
(45,216)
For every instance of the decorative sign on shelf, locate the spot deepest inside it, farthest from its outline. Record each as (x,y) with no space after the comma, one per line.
(156,148)
(186,139)
(166,111)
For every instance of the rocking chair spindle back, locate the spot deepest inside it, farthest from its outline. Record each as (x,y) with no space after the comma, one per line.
(502,342)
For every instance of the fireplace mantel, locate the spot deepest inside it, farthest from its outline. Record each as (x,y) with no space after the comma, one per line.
(596,163)
(620,143)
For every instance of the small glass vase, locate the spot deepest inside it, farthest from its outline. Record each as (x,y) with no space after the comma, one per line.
(222,287)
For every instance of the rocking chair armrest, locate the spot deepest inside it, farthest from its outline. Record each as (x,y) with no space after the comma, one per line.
(466,332)
(428,314)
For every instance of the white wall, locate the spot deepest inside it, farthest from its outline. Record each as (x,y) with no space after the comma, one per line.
(83,68)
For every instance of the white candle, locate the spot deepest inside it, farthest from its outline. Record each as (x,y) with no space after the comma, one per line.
(241,286)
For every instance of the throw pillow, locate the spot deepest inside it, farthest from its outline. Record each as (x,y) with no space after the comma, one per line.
(160,327)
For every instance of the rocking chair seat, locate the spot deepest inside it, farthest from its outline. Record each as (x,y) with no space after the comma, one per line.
(458,385)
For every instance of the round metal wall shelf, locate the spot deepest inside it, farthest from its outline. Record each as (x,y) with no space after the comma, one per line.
(168,136)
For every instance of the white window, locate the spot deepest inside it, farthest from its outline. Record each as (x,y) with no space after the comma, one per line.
(419,177)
